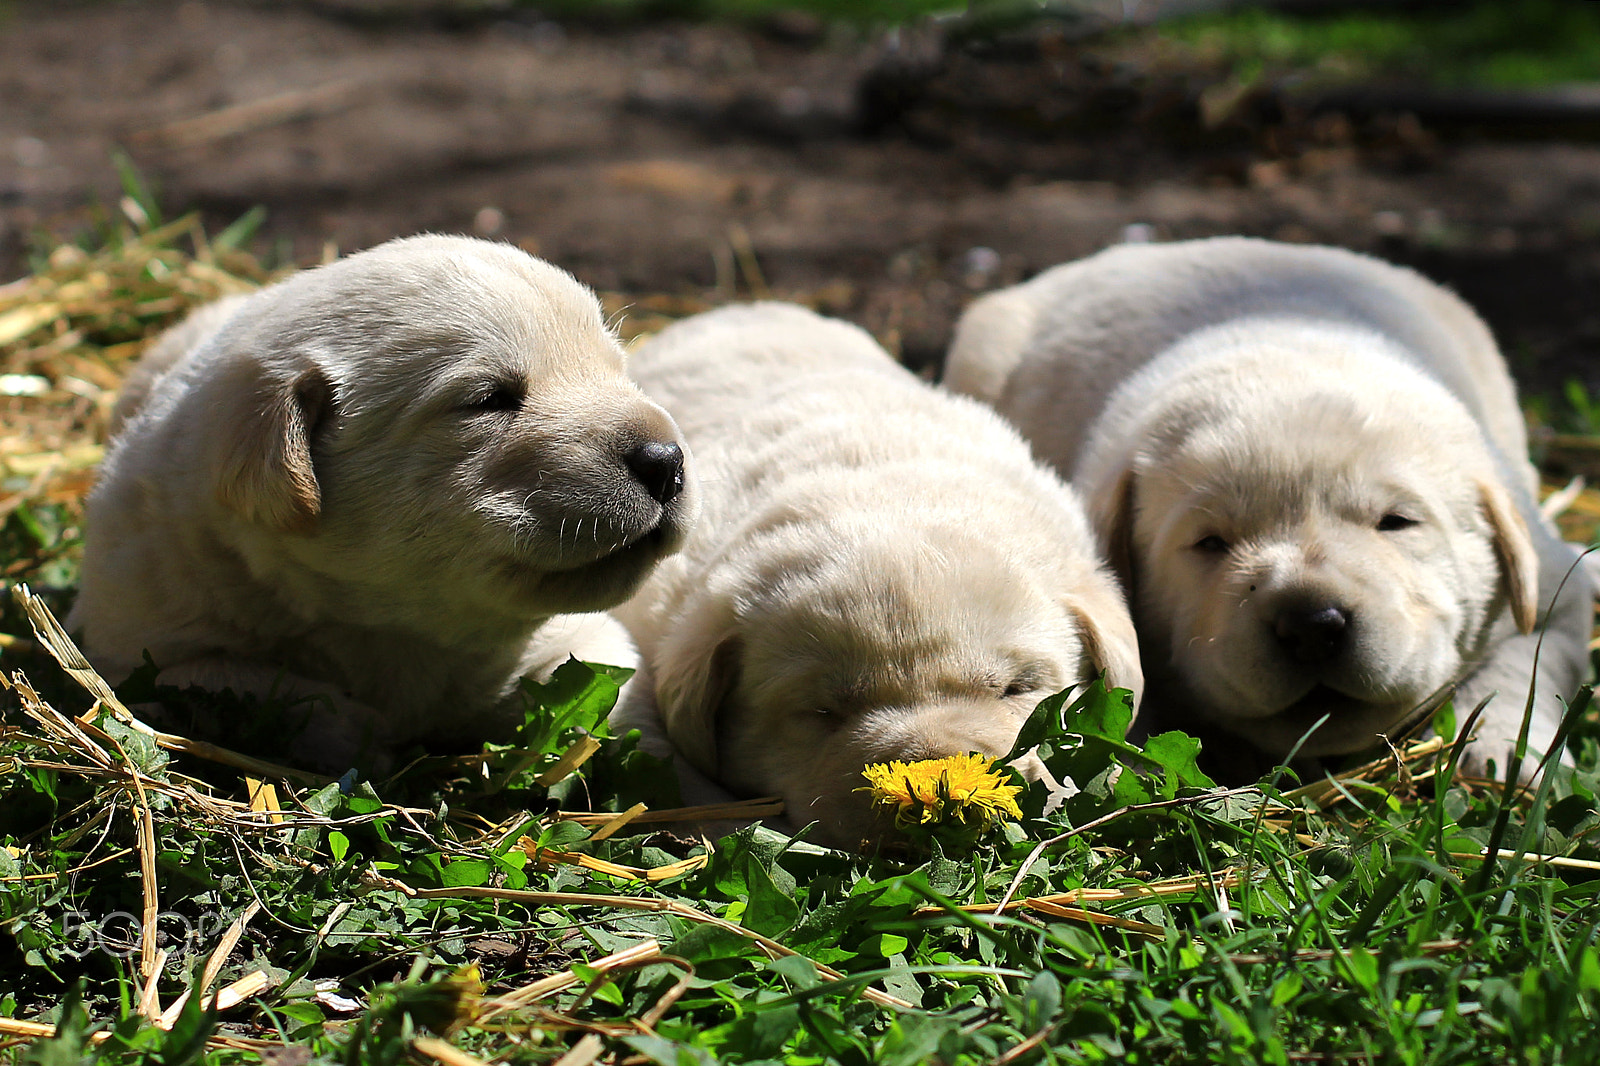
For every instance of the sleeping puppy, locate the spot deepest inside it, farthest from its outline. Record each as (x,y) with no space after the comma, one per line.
(389,484)
(1309,469)
(881,570)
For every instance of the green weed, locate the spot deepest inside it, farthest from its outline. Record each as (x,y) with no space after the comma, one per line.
(1499,43)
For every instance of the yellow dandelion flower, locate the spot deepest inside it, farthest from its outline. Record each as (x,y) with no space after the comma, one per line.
(962,788)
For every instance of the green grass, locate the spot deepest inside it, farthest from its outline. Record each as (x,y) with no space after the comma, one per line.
(1343,931)
(1494,43)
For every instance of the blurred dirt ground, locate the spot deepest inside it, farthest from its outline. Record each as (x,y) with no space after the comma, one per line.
(885,176)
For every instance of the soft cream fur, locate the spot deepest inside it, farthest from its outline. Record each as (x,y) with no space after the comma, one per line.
(1269,432)
(389,482)
(881,570)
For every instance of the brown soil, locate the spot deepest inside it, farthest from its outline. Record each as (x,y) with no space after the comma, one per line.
(887,178)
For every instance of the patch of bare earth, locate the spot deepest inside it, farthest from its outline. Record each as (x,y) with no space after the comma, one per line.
(886,178)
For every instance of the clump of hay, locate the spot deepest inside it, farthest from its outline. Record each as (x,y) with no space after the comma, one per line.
(69,331)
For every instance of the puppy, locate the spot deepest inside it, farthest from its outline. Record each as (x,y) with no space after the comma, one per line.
(881,570)
(1309,469)
(391,483)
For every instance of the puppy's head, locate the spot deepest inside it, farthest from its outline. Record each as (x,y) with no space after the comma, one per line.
(444,424)
(917,646)
(1322,547)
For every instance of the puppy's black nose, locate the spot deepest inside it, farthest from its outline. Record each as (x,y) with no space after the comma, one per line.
(1312,634)
(659,467)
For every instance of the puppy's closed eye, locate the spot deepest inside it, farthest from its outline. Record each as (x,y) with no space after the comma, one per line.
(1394,521)
(494,397)
(1211,544)
(1016,679)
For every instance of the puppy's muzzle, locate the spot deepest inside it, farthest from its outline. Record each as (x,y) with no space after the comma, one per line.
(658,466)
(1312,634)
(934,730)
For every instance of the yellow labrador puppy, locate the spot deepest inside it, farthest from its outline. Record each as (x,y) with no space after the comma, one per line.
(390,483)
(1309,469)
(881,570)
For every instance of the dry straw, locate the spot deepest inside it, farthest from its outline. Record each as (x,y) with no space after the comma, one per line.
(68,334)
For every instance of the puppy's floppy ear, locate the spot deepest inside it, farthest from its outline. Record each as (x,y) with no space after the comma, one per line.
(1108,634)
(1519,562)
(1111,511)
(696,668)
(264,469)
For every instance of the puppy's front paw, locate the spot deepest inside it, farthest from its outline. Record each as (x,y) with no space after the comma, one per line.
(1490,755)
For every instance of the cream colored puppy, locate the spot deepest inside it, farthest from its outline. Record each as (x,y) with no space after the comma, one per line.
(392,482)
(1310,470)
(881,570)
